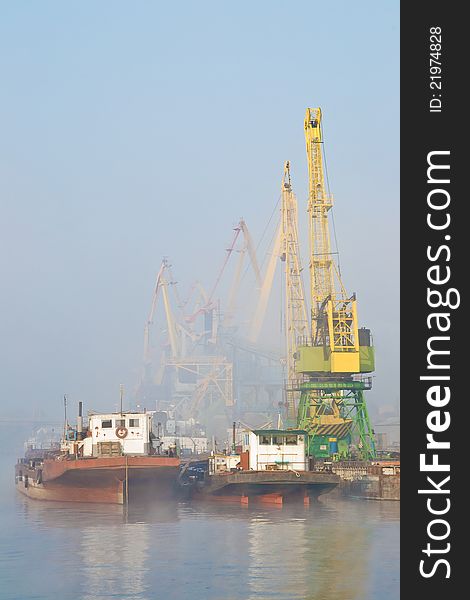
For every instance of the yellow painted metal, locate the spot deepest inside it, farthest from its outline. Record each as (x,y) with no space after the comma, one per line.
(333,352)
(285,247)
(152,314)
(318,359)
(312,359)
(367,358)
(296,320)
(345,362)
(250,248)
(319,203)
(265,290)
(334,314)
(170,319)
(342,325)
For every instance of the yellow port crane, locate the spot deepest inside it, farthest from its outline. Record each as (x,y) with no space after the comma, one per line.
(332,406)
(296,323)
(334,314)
(295,312)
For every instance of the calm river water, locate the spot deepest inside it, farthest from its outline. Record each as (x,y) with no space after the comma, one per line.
(333,550)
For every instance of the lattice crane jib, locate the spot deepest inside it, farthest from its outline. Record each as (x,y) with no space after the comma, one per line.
(338,350)
(334,321)
(296,319)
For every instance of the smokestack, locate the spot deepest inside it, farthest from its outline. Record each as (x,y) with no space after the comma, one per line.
(80,420)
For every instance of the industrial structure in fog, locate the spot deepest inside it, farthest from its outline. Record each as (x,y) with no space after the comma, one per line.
(204,368)
(198,370)
(337,354)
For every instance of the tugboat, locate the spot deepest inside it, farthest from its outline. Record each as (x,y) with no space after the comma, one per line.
(272,466)
(114,458)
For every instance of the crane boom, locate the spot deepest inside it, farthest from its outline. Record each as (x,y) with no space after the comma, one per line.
(265,290)
(319,204)
(153,306)
(170,319)
(296,321)
(334,314)
(248,247)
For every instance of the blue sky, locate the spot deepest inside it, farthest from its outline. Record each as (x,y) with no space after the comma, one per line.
(130,131)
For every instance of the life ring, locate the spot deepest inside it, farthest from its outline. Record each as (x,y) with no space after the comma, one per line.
(121,432)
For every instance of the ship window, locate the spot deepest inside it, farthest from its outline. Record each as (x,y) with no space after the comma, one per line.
(291,439)
(134,422)
(107,424)
(120,422)
(264,439)
(278,440)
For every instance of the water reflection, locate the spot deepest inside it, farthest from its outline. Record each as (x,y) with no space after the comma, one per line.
(278,563)
(332,550)
(68,515)
(114,561)
(76,515)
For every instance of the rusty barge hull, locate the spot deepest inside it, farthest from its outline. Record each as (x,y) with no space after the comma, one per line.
(275,486)
(111,480)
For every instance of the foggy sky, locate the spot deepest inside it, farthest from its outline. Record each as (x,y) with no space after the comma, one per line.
(133,131)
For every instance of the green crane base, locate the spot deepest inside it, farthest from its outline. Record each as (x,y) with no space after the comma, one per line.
(334,413)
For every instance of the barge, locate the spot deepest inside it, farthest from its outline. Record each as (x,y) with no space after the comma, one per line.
(271,466)
(116,457)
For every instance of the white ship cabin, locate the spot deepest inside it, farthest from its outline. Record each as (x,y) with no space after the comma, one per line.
(274,449)
(114,434)
(131,430)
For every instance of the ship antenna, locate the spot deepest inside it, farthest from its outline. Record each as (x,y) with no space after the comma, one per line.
(121,393)
(65,416)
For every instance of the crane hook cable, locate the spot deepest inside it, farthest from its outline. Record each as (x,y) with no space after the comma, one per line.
(329,194)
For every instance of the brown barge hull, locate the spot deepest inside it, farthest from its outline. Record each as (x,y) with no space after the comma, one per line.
(99,480)
(271,485)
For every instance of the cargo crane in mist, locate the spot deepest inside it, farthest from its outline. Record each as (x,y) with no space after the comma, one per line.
(337,354)
(328,355)
(217,374)
(286,248)
(296,325)
(205,371)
